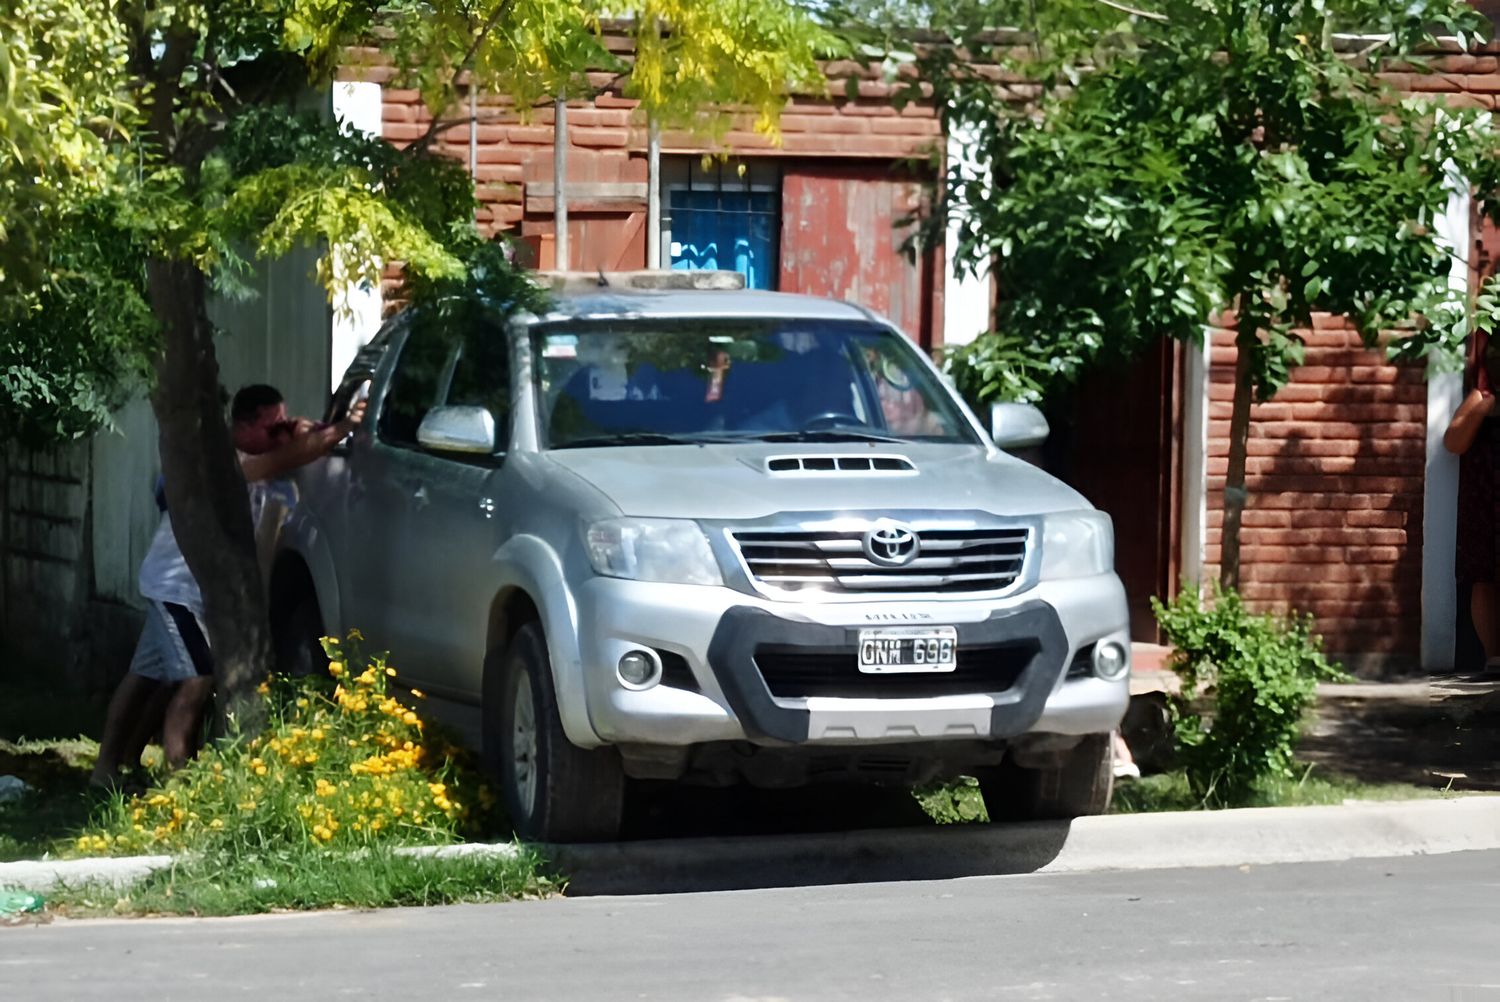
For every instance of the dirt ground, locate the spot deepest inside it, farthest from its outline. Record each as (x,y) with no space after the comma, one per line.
(1441,733)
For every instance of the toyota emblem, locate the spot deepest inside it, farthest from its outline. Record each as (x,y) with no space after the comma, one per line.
(890,544)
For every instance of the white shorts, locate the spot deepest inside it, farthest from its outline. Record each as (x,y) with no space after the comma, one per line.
(173,645)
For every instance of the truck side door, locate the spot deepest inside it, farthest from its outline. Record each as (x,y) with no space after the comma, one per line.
(437,517)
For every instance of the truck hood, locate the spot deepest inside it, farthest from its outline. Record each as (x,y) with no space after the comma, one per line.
(757,480)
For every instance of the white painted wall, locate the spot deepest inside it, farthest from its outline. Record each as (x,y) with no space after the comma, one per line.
(356,308)
(1440,488)
(1195,460)
(966,298)
(280,337)
(124,465)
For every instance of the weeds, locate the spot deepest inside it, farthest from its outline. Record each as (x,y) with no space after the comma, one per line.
(306,878)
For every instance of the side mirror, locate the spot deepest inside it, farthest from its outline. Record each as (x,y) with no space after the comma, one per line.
(1017,426)
(458,429)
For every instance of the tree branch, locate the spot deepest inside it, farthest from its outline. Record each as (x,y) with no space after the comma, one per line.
(176,55)
(463,66)
(1148,15)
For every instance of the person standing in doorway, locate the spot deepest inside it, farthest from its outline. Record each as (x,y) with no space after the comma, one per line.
(1474,435)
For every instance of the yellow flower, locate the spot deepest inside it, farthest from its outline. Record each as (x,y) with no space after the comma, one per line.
(264,688)
(317,734)
(417,693)
(217,824)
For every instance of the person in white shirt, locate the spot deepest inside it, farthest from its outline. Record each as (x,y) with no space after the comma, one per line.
(173,652)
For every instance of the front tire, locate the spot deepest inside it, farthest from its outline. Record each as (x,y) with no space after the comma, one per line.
(1080,785)
(553,790)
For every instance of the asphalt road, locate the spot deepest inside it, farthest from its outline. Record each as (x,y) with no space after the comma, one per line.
(1410,928)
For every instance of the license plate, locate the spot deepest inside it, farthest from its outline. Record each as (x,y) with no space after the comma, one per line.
(908,649)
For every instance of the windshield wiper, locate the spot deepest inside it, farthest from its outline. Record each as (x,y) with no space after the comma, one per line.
(638,438)
(824,435)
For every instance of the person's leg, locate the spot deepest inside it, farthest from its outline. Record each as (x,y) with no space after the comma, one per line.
(155,653)
(1484,610)
(184,719)
(133,692)
(148,724)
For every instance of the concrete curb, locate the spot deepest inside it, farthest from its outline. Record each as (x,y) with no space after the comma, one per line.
(1253,836)
(45,874)
(121,871)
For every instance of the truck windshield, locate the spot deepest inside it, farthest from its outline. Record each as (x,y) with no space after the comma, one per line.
(644,382)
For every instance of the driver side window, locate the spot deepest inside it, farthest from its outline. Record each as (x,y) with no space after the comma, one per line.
(450,358)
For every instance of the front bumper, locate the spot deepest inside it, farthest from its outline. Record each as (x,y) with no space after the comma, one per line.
(717,632)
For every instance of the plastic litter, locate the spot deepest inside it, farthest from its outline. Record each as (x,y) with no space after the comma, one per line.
(20,903)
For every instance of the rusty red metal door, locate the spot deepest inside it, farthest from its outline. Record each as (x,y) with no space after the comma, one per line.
(840,237)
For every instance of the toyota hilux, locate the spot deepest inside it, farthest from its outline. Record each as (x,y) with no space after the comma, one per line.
(662,531)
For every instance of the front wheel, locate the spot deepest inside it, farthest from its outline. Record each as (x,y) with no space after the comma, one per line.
(1079,785)
(553,790)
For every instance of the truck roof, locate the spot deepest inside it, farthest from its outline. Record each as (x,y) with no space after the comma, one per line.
(605,303)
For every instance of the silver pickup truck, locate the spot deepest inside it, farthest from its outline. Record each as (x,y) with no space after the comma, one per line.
(715,537)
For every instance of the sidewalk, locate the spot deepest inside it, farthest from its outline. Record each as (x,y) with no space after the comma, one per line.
(1439,732)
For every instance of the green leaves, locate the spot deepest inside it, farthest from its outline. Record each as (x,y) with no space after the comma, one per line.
(1170,169)
(162,129)
(1246,681)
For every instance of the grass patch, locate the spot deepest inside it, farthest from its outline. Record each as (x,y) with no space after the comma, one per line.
(313,812)
(959,802)
(297,880)
(1170,792)
(956,802)
(59,803)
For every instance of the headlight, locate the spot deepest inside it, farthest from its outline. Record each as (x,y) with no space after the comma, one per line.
(1077,544)
(652,549)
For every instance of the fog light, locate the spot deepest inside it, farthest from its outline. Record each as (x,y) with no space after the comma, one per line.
(1111,661)
(639,670)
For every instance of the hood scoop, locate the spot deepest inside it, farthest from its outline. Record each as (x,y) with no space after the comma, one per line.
(825,465)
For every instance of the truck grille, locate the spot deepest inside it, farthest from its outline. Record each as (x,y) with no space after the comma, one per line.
(792,672)
(950,560)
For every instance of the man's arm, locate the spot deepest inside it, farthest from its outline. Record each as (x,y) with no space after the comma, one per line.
(301,449)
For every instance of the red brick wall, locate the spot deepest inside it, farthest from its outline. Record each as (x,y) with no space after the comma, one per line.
(608,145)
(1333,526)
(1336,461)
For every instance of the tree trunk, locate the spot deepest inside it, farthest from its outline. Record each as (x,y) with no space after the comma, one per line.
(206,493)
(1235,494)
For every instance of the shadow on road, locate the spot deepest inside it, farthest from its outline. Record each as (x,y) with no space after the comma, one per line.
(744,838)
